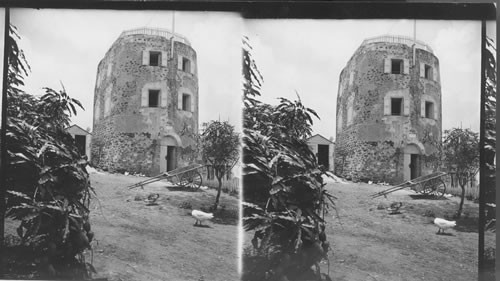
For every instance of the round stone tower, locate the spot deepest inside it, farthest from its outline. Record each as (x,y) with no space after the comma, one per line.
(389,111)
(146,103)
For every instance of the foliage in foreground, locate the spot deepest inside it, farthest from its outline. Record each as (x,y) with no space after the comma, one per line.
(220,147)
(490,125)
(488,166)
(48,188)
(284,196)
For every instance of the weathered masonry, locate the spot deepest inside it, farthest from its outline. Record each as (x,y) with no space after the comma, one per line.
(389,111)
(146,103)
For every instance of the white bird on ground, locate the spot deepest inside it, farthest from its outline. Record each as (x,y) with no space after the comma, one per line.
(201,216)
(444,224)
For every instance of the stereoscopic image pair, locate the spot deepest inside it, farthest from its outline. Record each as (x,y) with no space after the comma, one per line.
(209,145)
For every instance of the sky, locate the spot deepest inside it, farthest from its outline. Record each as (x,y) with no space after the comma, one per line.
(308,56)
(67,45)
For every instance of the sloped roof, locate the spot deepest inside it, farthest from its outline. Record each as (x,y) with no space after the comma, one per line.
(319,137)
(78,128)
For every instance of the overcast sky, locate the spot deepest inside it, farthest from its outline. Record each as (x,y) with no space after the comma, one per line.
(67,45)
(308,56)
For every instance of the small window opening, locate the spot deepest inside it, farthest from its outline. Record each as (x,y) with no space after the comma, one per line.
(428,72)
(186,65)
(154,58)
(396,106)
(396,66)
(154,98)
(186,102)
(429,109)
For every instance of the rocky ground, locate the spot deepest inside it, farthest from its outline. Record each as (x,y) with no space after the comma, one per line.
(137,241)
(371,244)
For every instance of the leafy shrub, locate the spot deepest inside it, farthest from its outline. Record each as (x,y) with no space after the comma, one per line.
(285,199)
(48,188)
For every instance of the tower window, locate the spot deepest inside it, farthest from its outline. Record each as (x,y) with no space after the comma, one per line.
(429,109)
(186,102)
(154,58)
(154,98)
(428,72)
(396,106)
(396,66)
(186,65)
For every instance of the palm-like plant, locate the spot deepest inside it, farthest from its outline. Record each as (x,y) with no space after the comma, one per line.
(59,105)
(284,195)
(48,187)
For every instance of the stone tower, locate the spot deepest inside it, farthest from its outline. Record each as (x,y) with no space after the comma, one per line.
(146,103)
(389,111)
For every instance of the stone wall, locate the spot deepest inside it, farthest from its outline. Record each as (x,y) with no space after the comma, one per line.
(370,141)
(128,134)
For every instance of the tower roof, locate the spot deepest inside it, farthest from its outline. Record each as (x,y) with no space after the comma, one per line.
(156,32)
(398,39)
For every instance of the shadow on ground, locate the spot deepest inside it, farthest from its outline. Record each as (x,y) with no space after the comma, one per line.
(467,224)
(223,215)
(426,197)
(182,188)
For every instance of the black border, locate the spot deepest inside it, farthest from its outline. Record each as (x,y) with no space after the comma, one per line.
(290,9)
(438,10)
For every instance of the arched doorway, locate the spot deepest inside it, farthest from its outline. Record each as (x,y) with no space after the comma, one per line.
(411,162)
(168,154)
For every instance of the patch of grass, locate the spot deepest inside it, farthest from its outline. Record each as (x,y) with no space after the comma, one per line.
(467,224)
(429,213)
(233,193)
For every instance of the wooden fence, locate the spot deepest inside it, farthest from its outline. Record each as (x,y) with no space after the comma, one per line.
(230,183)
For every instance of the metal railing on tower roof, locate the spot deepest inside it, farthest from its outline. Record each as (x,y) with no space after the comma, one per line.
(156,32)
(398,39)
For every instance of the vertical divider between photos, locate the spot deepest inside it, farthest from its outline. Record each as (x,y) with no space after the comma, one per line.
(482,163)
(3,145)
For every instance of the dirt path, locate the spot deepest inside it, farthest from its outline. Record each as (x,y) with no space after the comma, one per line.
(371,244)
(140,242)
